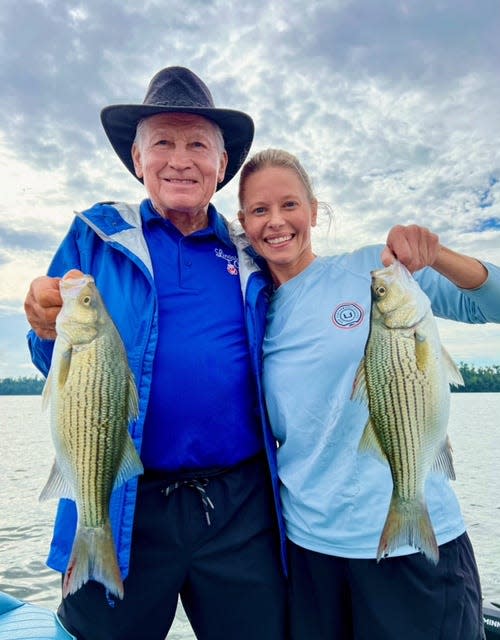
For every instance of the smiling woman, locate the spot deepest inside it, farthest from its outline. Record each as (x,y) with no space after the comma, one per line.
(278,212)
(334,497)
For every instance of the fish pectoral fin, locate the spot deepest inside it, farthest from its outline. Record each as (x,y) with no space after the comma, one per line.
(359,391)
(46,390)
(64,365)
(56,486)
(422,351)
(130,464)
(443,462)
(370,443)
(454,375)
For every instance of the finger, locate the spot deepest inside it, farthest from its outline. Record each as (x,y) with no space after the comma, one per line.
(387,256)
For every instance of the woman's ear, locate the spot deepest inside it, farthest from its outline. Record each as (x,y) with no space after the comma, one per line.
(314,212)
(241,218)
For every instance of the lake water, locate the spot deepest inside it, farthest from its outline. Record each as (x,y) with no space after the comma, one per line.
(26,525)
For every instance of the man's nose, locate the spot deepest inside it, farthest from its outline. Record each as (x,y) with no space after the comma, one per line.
(179,158)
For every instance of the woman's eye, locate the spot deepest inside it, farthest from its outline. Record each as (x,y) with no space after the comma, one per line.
(290,204)
(258,211)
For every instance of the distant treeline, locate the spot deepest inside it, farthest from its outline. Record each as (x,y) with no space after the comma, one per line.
(476,379)
(479,378)
(21,386)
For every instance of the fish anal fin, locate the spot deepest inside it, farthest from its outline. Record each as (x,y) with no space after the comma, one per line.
(370,443)
(130,464)
(443,462)
(56,486)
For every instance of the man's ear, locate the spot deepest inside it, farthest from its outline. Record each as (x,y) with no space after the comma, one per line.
(136,157)
(222,167)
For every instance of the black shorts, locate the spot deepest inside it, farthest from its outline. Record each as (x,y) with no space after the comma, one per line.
(399,598)
(224,562)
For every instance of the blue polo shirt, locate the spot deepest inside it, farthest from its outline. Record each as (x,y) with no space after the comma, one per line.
(202,409)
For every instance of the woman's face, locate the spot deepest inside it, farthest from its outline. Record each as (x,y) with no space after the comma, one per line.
(277,216)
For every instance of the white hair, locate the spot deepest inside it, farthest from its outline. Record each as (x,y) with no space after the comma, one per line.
(219,138)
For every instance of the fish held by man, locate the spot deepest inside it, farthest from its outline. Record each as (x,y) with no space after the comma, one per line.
(404,377)
(93,398)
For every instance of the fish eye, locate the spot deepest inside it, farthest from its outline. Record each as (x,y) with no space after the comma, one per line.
(381,290)
(86,300)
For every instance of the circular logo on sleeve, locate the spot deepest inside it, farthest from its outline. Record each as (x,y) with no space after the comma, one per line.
(348,315)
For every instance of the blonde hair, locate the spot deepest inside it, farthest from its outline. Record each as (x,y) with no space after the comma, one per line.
(273,158)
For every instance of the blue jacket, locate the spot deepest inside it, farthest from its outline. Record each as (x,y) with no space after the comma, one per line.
(107,242)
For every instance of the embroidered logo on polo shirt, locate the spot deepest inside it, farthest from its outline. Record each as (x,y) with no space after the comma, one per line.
(348,315)
(232,261)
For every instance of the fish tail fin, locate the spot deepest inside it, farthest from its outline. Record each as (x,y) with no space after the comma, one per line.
(408,523)
(93,557)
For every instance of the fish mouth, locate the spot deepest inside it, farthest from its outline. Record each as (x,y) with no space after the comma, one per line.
(396,270)
(69,281)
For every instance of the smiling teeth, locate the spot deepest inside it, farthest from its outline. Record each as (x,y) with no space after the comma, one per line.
(279,240)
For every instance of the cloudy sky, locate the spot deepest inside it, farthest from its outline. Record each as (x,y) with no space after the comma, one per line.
(393,107)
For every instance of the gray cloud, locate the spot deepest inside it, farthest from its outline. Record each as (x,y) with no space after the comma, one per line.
(391,106)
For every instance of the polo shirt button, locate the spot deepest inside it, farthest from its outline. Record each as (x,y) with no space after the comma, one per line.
(188,263)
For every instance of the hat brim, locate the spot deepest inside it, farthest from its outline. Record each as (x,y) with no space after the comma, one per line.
(120,124)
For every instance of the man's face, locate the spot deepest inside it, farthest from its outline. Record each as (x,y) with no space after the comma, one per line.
(181,160)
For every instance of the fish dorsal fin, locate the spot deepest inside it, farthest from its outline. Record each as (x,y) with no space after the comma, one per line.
(443,462)
(57,486)
(369,442)
(359,391)
(454,375)
(130,464)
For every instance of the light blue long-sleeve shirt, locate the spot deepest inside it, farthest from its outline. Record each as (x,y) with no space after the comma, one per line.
(335,499)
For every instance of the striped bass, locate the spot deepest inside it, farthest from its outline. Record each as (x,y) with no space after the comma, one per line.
(404,377)
(93,397)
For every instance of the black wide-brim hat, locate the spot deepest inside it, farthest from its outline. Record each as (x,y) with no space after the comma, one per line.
(178,90)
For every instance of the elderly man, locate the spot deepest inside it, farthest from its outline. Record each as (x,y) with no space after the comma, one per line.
(203,522)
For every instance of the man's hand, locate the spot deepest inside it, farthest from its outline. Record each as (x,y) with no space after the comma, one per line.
(42,305)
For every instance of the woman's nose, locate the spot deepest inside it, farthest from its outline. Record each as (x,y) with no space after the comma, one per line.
(275,217)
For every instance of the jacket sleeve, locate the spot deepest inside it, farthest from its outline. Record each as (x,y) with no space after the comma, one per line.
(66,257)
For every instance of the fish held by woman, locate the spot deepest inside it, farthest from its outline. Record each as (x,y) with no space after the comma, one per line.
(93,397)
(404,377)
